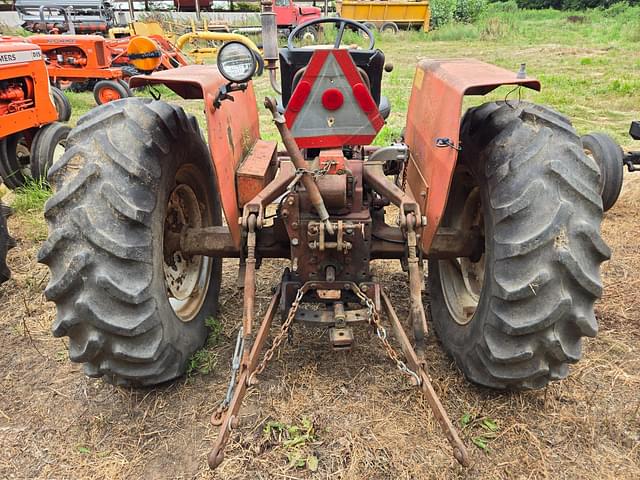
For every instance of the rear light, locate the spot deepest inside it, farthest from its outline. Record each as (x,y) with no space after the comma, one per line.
(332,99)
(300,94)
(364,98)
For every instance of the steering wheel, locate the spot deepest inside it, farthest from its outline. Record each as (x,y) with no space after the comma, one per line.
(342,22)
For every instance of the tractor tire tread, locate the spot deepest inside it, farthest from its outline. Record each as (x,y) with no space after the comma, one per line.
(103,285)
(547,247)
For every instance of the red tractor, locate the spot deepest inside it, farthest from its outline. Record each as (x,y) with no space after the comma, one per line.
(289,15)
(501,202)
(30,138)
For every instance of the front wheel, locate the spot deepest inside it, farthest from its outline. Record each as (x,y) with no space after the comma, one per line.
(106,91)
(134,313)
(609,157)
(308,35)
(62,104)
(513,316)
(15,160)
(389,28)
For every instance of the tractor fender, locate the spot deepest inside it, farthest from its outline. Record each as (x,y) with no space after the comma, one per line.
(433,127)
(233,128)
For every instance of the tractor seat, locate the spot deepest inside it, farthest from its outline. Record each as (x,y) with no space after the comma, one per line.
(369,62)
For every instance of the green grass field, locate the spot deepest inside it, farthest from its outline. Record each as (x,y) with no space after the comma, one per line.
(588,63)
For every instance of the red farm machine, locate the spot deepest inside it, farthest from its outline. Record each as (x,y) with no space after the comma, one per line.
(502,203)
(289,15)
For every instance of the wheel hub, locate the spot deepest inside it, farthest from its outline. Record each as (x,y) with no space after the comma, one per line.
(462,278)
(186,277)
(108,94)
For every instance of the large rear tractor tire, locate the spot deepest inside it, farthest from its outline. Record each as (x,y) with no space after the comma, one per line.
(608,156)
(134,170)
(514,316)
(6,243)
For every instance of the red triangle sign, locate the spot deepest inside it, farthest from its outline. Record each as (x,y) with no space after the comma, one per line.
(331,105)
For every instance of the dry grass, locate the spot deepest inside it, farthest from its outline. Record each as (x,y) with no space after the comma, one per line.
(369,423)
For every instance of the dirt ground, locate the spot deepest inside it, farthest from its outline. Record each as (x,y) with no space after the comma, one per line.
(367,420)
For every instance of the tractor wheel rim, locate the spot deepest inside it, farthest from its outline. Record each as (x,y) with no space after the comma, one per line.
(460,278)
(186,277)
(108,94)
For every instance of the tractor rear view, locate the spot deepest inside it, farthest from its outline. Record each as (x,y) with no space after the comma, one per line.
(501,203)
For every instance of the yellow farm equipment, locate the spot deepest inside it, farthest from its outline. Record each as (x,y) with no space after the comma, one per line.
(214,40)
(386,15)
(199,41)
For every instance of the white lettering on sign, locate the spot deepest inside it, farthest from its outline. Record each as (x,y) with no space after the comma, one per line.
(7,58)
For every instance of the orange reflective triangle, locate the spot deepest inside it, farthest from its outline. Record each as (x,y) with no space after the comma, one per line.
(347,115)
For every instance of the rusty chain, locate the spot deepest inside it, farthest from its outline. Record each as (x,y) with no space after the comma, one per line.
(318,172)
(381,333)
(278,339)
(374,319)
(405,168)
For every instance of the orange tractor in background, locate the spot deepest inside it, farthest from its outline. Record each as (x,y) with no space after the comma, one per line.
(84,60)
(30,136)
(102,65)
(502,203)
